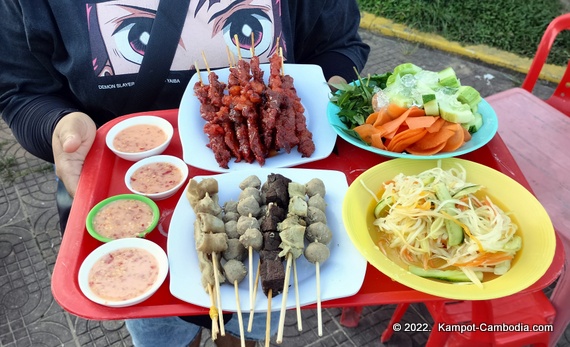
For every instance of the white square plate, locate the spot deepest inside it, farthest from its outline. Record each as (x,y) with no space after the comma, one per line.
(341,275)
(311,87)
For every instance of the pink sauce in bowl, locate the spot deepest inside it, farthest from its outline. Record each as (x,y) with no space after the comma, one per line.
(122,216)
(157,177)
(139,138)
(123,272)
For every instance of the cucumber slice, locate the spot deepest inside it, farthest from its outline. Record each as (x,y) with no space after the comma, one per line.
(406,68)
(453,111)
(444,275)
(455,234)
(448,78)
(466,191)
(475,124)
(470,96)
(430,105)
(383,207)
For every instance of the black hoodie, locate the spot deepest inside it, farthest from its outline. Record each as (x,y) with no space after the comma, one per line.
(62,56)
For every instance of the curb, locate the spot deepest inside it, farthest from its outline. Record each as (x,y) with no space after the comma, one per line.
(483,53)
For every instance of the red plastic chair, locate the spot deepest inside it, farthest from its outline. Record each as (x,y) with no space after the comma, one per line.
(560,99)
(493,318)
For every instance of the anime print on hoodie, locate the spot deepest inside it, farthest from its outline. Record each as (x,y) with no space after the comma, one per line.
(84,55)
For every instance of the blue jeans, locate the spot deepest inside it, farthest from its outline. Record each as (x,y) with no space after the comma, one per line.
(174,332)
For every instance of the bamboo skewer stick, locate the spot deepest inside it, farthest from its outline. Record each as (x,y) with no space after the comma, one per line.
(252,308)
(238,46)
(231,60)
(319,310)
(240,318)
(214,255)
(213,314)
(218,296)
(198,72)
(268,319)
(250,276)
(297,302)
(284,298)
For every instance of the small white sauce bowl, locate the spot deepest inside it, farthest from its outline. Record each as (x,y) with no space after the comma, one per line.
(93,257)
(179,163)
(139,120)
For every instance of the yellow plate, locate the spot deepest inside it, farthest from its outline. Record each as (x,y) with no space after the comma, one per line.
(535,228)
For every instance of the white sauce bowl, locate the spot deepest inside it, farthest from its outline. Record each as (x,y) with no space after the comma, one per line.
(115,245)
(140,120)
(177,162)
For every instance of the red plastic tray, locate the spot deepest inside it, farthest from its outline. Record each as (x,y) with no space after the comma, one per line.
(103,174)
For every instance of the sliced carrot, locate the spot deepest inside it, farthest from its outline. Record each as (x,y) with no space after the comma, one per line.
(376,141)
(455,141)
(406,138)
(372,117)
(415,111)
(391,128)
(382,118)
(365,131)
(488,258)
(436,125)
(433,140)
(394,111)
(420,122)
(466,134)
(429,151)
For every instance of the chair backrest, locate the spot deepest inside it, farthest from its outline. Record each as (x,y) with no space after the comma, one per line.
(560,99)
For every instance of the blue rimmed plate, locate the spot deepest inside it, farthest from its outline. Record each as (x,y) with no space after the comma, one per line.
(478,140)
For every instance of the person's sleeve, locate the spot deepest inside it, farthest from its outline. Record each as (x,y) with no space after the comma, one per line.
(327,35)
(31,99)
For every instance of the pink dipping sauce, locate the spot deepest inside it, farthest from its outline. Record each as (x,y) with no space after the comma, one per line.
(139,138)
(123,274)
(123,218)
(155,178)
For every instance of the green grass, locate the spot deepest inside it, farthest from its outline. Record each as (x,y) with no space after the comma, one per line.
(514,26)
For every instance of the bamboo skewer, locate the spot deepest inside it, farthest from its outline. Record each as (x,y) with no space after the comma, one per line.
(268,319)
(213,314)
(319,310)
(297,302)
(237,46)
(240,318)
(284,298)
(218,296)
(214,254)
(198,72)
(252,308)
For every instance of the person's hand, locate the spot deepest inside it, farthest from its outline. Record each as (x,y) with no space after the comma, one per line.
(72,139)
(335,80)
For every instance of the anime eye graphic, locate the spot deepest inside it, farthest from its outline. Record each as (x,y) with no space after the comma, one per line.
(131,38)
(244,23)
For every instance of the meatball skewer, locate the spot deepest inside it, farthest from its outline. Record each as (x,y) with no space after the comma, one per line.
(317,252)
(248,228)
(210,241)
(292,244)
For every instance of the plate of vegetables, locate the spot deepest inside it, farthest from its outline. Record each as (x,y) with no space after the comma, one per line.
(449,227)
(412,113)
